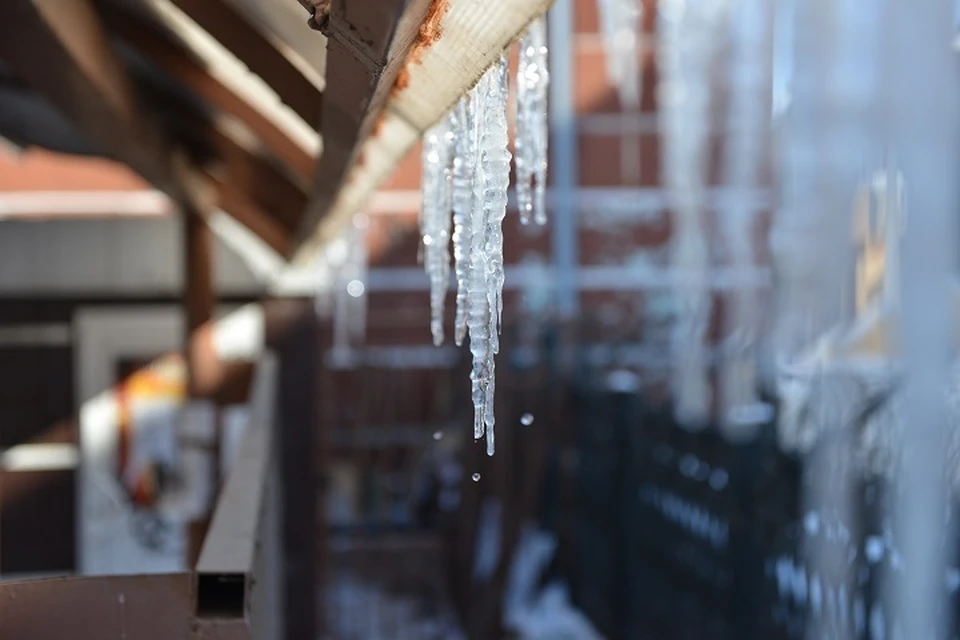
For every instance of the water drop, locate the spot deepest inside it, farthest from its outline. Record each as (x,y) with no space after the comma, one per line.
(811,523)
(718,479)
(476,477)
(874,548)
(355,288)
(526,419)
(437,435)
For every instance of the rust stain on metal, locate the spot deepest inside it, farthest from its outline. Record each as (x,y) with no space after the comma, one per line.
(429,33)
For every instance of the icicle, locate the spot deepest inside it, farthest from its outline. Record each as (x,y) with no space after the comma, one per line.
(356,286)
(829,138)
(532,133)
(338,255)
(620,22)
(438,149)
(748,122)
(477,310)
(464,126)
(688,43)
(495,161)
(923,100)
(348,256)
(485,280)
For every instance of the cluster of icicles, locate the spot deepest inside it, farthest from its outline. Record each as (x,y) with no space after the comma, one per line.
(815,76)
(466,175)
(690,38)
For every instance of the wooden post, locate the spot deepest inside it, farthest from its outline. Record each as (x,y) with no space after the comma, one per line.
(198,303)
(293,333)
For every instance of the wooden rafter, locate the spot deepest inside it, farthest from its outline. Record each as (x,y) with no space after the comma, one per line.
(258,177)
(239,206)
(222,20)
(368,44)
(191,73)
(283,22)
(232,168)
(61,49)
(367,50)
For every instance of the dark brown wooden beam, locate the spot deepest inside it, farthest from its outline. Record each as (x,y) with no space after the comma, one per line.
(61,49)
(190,72)
(154,607)
(293,333)
(199,298)
(257,175)
(231,28)
(239,207)
(203,365)
(231,168)
(368,45)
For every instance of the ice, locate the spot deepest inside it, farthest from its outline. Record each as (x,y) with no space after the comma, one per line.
(748,120)
(689,38)
(486,274)
(830,135)
(439,146)
(348,255)
(620,22)
(465,127)
(466,162)
(531,125)
(922,124)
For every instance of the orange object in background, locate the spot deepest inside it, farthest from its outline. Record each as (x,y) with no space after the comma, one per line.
(159,387)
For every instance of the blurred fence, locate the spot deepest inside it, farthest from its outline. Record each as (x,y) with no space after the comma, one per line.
(686,535)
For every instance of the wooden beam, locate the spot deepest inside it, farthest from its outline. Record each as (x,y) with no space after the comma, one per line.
(240,208)
(294,335)
(203,365)
(223,21)
(283,21)
(199,298)
(256,174)
(61,49)
(192,73)
(368,43)
(149,607)
(232,170)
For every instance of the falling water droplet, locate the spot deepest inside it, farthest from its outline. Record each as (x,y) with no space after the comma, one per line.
(355,288)
(437,435)
(476,477)
(526,419)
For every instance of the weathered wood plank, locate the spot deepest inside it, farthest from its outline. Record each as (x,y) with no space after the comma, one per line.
(154,607)
(264,57)
(294,335)
(194,74)
(61,49)
(368,42)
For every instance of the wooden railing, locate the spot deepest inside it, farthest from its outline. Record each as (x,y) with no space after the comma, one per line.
(234,593)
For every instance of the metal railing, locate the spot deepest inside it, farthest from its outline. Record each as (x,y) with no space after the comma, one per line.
(235,592)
